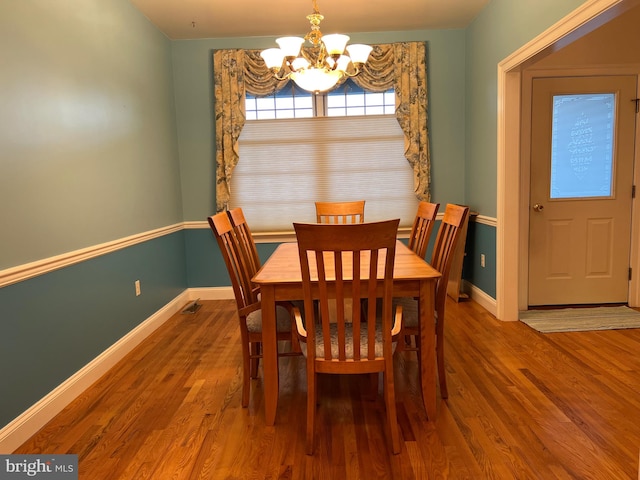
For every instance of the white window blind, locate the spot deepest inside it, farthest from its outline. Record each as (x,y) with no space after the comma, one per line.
(287,165)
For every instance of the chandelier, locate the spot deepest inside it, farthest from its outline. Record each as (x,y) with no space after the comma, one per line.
(324,65)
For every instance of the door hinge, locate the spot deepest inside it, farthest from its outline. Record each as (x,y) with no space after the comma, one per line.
(630,269)
(633,191)
(637,101)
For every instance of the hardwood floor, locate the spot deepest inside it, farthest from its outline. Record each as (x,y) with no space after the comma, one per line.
(521,405)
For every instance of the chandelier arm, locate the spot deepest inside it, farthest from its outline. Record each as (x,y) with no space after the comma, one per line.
(277,76)
(354,73)
(305,54)
(322,56)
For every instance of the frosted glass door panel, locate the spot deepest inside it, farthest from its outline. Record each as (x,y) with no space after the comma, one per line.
(582,145)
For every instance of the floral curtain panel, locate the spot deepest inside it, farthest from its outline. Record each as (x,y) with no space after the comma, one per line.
(398,65)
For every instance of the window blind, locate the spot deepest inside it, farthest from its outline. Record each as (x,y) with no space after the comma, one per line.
(287,165)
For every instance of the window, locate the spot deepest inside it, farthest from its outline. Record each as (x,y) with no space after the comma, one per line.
(353,100)
(350,148)
(290,102)
(293,102)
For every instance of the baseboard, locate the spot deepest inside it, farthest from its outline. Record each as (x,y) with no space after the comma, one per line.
(28,423)
(480,297)
(211,293)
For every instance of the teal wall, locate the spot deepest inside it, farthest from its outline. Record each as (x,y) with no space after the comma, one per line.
(106,131)
(54,324)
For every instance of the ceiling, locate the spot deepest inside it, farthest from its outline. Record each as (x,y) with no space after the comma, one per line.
(190,19)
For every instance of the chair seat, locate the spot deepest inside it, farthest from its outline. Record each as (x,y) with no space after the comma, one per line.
(283,320)
(410,311)
(364,349)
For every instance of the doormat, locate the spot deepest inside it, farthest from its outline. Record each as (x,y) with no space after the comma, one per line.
(581,319)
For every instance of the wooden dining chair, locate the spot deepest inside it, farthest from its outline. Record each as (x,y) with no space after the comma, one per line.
(340,212)
(422,227)
(248,244)
(419,241)
(245,238)
(441,259)
(241,270)
(332,258)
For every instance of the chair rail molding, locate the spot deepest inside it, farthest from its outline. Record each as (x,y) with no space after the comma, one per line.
(40,267)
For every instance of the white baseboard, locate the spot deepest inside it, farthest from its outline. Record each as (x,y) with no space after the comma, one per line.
(28,423)
(211,293)
(479,296)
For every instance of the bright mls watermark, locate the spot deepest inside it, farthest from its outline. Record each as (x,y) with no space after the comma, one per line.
(49,467)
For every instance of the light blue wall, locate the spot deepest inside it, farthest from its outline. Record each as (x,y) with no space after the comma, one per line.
(87,127)
(193,80)
(89,154)
(502,27)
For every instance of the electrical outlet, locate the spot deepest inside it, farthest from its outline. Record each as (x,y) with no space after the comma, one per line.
(137,284)
(482,260)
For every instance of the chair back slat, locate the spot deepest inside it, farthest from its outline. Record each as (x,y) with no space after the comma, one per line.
(422,227)
(340,212)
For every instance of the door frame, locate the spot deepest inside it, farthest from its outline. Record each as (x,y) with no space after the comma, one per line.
(513,140)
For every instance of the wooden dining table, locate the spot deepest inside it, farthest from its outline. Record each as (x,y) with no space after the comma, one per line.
(280,279)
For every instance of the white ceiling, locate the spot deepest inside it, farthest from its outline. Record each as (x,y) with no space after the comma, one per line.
(189,19)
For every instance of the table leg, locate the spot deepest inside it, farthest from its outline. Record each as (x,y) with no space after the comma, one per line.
(428,347)
(269,353)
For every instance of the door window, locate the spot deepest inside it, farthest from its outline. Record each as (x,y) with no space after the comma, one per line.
(582,145)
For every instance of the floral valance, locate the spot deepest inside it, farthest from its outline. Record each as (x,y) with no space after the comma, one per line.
(401,66)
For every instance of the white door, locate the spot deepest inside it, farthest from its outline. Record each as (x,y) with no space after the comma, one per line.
(582,155)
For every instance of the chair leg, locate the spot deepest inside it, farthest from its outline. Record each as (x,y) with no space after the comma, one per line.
(254,350)
(311,410)
(246,370)
(390,403)
(375,381)
(442,377)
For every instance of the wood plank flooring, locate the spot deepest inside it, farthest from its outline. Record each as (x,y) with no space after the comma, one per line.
(521,405)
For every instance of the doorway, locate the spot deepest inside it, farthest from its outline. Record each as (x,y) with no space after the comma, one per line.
(512,170)
(581,180)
